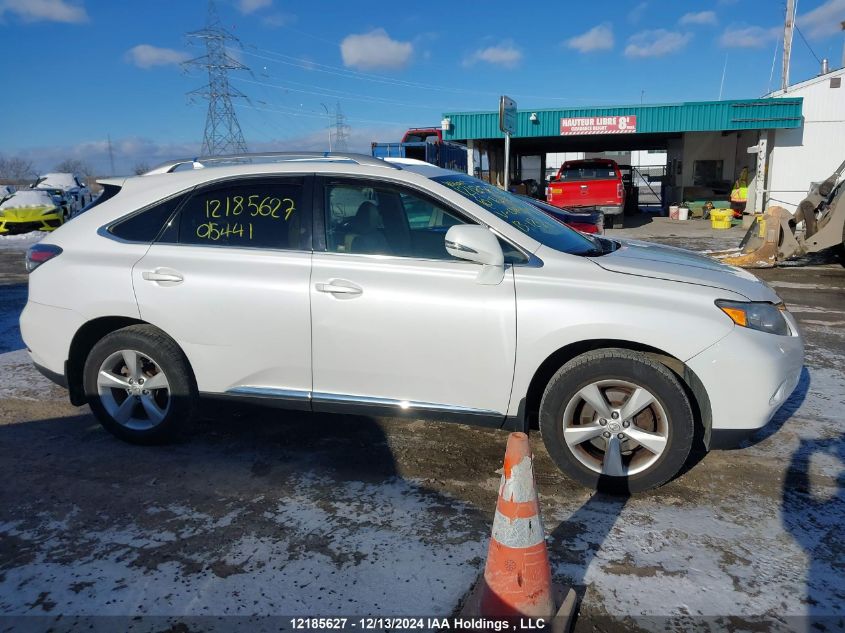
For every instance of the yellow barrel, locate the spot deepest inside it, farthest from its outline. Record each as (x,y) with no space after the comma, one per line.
(721,218)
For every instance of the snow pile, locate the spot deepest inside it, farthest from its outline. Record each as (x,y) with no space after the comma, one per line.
(20,380)
(21,241)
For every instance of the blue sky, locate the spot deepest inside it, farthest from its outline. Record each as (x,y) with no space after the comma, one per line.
(75,71)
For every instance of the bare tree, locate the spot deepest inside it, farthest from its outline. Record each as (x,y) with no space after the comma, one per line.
(141,167)
(16,168)
(74,166)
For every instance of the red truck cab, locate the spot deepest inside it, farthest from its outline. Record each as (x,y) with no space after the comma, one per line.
(592,182)
(423,135)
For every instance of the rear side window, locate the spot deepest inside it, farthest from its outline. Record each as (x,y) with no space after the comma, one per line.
(247,213)
(145,225)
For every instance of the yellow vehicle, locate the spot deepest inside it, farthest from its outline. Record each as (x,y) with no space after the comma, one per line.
(30,210)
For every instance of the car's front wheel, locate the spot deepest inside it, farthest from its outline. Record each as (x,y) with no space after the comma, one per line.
(139,385)
(617,421)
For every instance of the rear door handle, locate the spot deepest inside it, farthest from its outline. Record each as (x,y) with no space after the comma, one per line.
(339,287)
(162,275)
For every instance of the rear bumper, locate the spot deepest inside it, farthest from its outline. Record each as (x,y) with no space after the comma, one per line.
(611,210)
(47,332)
(747,375)
(59,379)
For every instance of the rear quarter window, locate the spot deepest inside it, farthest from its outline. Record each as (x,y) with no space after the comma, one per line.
(146,224)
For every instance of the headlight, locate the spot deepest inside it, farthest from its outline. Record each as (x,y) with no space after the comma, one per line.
(49,211)
(763,316)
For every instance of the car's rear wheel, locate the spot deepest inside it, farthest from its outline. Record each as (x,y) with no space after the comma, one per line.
(617,421)
(139,385)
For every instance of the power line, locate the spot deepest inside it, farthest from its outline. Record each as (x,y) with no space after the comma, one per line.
(306,64)
(223,133)
(331,92)
(810,48)
(298,113)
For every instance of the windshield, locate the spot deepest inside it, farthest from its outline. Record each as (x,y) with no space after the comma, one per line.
(28,198)
(61,181)
(520,214)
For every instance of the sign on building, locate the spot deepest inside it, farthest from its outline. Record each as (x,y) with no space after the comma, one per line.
(507,115)
(598,125)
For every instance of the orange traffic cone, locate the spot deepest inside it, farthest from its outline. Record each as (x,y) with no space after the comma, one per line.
(518,577)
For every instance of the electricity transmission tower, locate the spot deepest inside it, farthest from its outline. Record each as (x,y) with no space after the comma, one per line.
(222,131)
(341,132)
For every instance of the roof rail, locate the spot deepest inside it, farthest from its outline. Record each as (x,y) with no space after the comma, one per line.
(269,157)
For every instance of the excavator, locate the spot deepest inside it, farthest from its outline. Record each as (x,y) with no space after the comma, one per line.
(775,237)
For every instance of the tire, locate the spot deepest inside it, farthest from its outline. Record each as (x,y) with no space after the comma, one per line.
(158,414)
(576,435)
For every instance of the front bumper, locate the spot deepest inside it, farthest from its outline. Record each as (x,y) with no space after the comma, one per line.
(26,220)
(748,375)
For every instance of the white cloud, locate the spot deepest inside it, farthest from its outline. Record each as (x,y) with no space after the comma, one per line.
(748,36)
(276,20)
(375,49)
(45,10)
(598,38)
(656,43)
(636,14)
(702,17)
(251,6)
(147,56)
(505,54)
(823,21)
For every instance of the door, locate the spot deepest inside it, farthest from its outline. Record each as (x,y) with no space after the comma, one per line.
(397,322)
(228,280)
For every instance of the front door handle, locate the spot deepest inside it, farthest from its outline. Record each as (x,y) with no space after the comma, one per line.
(338,287)
(162,275)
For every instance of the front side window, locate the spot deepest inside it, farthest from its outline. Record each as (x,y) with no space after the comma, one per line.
(369,219)
(520,214)
(246,214)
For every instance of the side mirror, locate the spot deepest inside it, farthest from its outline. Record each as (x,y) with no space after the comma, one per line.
(477,244)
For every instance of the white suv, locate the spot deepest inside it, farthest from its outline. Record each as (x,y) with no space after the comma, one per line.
(351,284)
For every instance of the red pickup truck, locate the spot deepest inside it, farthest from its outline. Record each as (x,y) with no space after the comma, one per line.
(593,182)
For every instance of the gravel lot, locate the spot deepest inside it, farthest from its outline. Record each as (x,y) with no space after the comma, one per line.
(270,513)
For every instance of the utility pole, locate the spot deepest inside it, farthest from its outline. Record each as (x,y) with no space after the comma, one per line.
(111,156)
(223,133)
(341,130)
(842,24)
(788,28)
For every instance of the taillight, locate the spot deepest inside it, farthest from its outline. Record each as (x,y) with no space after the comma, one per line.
(619,190)
(37,254)
(584,228)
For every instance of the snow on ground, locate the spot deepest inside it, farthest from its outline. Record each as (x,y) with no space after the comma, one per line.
(21,241)
(364,549)
(658,558)
(20,380)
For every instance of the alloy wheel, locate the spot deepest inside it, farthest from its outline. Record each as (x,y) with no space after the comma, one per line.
(615,427)
(133,389)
